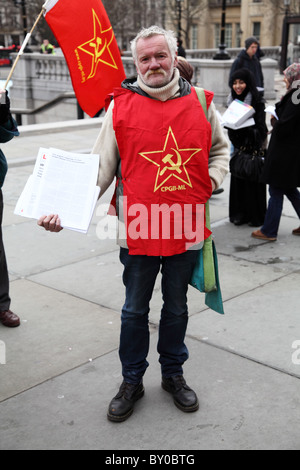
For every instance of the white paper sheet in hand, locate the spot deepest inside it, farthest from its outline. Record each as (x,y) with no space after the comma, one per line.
(62,183)
(237,114)
(272,110)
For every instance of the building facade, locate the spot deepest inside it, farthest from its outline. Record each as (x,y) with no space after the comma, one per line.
(244,18)
(197,22)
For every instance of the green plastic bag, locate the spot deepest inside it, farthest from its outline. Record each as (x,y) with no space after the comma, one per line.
(205,277)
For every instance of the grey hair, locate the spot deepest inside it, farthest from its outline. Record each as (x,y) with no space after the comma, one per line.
(155,31)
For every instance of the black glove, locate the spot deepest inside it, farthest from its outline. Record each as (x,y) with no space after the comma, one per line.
(4,110)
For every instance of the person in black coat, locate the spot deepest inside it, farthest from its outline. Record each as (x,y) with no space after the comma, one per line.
(282,168)
(8,129)
(181,51)
(247,59)
(247,199)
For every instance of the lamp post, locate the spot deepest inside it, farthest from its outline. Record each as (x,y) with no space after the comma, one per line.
(285,35)
(222,54)
(22,4)
(287,6)
(179,15)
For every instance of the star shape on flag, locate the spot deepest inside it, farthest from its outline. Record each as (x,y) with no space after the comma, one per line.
(99,46)
(173,161)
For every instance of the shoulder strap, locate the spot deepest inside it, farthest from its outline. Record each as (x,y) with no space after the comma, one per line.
(202,99)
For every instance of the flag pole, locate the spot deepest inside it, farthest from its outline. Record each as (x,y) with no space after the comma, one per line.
(25,42)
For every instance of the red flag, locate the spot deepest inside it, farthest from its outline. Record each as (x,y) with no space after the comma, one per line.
(84,33)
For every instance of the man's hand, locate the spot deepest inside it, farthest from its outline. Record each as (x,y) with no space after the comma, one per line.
(213,185)
(51,223)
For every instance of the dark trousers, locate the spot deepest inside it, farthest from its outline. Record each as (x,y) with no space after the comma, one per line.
(4,280)
(273,215)
(139,278)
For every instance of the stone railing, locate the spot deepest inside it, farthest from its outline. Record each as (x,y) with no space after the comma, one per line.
(39,79)
(269,53)
(272,52)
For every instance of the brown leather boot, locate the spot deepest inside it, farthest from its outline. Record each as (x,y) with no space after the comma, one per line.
(10,319)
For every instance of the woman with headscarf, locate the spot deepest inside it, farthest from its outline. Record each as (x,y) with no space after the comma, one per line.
(185,69)
(247,199)
(282,169)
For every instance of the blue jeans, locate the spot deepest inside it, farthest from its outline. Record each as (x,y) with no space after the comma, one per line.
(273,215)
(140,273)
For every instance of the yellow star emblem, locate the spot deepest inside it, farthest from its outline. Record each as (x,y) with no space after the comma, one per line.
(173,161)
(99,46)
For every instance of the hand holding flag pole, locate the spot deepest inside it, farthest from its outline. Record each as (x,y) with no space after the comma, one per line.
(25,42)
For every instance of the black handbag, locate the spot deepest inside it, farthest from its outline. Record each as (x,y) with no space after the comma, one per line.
(247,164)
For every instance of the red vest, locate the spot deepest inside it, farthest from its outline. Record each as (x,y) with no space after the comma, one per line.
(164,149)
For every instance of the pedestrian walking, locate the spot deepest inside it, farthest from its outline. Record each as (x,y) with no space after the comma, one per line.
(247,59)
(282,169)
(180,49)
(164,151)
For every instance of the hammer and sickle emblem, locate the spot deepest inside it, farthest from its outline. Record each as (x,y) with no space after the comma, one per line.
(97,45)
(173,166)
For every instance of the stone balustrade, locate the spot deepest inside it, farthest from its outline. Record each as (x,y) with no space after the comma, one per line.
(39,79)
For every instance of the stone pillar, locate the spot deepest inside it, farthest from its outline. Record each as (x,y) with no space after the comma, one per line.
(22,90)
(213,76)
(269,67)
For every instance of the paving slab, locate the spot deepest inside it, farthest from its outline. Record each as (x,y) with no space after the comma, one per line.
(53,250)
(100,279)
(237,242)
(26,146)
(243,406)
(261,324)
(58,332)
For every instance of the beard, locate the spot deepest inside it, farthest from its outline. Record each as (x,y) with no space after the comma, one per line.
(164,76)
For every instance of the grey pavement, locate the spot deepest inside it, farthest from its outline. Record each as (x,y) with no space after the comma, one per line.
(62,366)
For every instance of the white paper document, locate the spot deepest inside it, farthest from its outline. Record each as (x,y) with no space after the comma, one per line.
(238,115)
(62,183)
(272,110)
